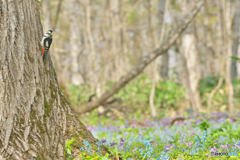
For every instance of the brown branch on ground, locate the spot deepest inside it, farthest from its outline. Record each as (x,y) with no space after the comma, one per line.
(177,119)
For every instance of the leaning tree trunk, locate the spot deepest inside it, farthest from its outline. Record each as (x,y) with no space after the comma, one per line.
(36,120)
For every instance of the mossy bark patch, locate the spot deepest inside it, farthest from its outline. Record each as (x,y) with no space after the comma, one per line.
(47,107)
(38,93)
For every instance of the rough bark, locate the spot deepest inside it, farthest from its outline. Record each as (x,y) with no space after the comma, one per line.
(35,118)
(143,63)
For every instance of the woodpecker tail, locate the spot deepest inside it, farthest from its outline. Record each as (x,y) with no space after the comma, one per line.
(44,56)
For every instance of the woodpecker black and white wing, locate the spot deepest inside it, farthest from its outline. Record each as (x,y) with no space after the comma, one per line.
(47,44)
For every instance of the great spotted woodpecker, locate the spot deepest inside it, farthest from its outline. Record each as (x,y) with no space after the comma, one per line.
(46,42)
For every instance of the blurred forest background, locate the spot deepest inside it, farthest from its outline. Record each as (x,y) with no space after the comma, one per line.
(96,42)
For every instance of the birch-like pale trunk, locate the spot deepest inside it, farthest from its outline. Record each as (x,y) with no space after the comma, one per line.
(47,25)
(228,16)
(116,38)
(235,40)
(165,57)
(36,120)
(161,27)
(190,54)
(220,52)
(76,45)
(153,66)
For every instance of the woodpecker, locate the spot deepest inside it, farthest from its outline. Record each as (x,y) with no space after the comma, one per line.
(46,42)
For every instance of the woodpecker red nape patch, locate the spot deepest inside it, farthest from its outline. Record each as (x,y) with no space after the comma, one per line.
(42,50)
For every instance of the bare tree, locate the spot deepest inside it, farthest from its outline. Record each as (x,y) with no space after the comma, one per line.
(143,63)
(36,120)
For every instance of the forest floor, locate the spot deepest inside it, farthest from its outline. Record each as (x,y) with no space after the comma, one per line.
(186,137)
(128,131)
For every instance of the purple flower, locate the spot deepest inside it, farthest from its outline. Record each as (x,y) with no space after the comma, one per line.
(216,141)
(237,145)
(122,140)
(198,121)
(167,148)
(134,149)
(189,144)
(112,144)
(226,146)
(104,141)
(214,149)
(211,149)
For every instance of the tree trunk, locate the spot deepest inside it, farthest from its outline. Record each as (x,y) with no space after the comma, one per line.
(164,66)
(76,46)
(165,57)
(190,54)
(228,41)
(235,40)
(154,66)
(116,39)
(36,120)
(143,63)
(219,50)
(47,15)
